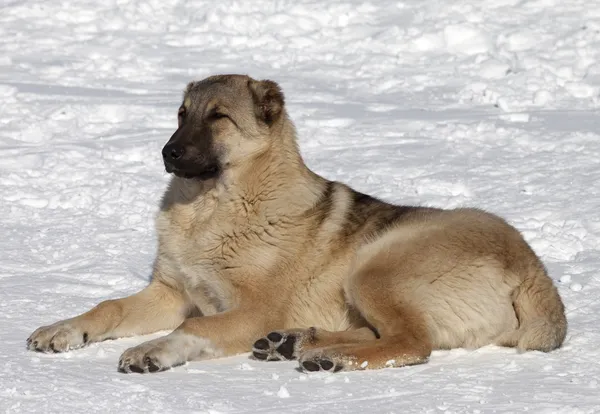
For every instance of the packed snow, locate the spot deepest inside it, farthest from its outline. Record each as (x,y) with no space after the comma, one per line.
(486,103)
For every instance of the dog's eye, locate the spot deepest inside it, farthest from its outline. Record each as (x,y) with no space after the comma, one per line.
(217,115)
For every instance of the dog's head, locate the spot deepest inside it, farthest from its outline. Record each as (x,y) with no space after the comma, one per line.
(223,121)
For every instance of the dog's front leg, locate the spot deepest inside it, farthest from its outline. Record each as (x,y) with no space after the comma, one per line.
(155,308)
(205,337)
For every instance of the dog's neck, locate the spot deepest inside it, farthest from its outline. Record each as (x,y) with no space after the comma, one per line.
(274,178)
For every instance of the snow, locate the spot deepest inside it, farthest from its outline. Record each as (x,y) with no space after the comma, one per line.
(448,103)
(283,392)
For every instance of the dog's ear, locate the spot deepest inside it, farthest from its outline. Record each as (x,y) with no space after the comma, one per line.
(268,100)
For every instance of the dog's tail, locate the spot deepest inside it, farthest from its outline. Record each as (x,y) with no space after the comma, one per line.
(540,311)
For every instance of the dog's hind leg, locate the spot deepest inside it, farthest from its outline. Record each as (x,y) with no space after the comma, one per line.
(404,341)
(391,351)
(375,290)
(285,345)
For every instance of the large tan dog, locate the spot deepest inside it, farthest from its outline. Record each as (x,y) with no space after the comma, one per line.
(255,248)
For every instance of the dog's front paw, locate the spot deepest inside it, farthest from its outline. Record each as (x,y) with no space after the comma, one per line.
(282,345)
(152,356)
(59,337)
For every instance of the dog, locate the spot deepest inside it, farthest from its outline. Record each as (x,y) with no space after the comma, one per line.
(257,253)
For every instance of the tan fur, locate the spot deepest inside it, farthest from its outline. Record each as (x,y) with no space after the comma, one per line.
(262,244)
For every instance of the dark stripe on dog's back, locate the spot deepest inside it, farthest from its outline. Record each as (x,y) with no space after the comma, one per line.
(322,208)
(370,215)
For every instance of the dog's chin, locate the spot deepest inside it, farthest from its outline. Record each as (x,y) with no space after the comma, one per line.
(204,174)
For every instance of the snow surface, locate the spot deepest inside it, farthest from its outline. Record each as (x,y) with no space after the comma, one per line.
(488,103)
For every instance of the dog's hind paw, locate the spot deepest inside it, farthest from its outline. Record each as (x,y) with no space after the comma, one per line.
(317,360)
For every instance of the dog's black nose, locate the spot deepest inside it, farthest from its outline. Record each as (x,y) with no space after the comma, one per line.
(173,152)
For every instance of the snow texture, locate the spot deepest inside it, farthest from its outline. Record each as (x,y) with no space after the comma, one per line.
(486,103)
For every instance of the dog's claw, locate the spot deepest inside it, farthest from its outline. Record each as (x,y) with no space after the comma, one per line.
(151,364)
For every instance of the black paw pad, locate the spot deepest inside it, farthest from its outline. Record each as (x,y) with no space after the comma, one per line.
(260,355)
(321,365)
(85,337)
(134,368)
(286,349)
(311,366)
(274,337)
(326,364)
(261,344)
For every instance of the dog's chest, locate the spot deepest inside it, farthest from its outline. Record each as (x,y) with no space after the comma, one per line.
(216,258)
(205,289)
(200,273)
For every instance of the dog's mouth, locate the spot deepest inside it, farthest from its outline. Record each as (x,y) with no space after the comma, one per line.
(211,171)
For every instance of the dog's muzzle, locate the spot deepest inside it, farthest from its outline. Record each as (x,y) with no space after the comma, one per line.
(176,162)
